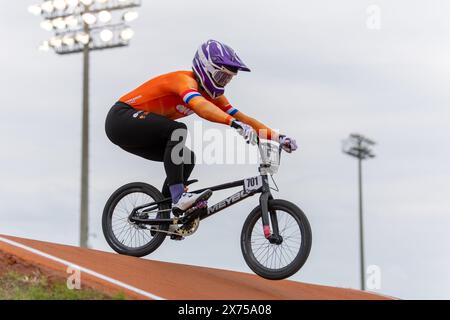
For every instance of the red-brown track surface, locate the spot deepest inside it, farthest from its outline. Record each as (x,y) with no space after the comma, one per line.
(167,280)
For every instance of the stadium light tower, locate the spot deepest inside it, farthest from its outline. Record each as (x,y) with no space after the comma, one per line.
(82,26)
(359,147)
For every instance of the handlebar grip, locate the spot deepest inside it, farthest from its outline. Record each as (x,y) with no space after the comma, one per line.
(234,125)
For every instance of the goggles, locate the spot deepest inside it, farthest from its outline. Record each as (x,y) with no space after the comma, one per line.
(221,75)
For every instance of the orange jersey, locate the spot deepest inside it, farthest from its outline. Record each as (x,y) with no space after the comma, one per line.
(171,94)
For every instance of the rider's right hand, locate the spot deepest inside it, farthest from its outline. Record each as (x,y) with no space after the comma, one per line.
(246,131)
(288,144)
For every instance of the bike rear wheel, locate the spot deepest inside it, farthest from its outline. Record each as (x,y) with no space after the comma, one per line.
(277,261)
(126,237)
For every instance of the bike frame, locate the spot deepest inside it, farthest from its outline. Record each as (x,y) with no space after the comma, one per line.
(264,198)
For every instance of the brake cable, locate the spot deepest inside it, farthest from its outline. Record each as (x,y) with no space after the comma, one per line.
(273,180)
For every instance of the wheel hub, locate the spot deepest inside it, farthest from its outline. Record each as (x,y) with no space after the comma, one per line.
(276,239)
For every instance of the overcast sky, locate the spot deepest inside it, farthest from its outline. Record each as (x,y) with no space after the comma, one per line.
(318,74)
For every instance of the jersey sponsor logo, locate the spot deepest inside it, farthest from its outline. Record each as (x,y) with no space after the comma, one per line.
(133,100)
(135,115)
(184,110)
(189,95)
(141,114)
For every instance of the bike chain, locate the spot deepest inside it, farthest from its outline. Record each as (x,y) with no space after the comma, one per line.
(180,231)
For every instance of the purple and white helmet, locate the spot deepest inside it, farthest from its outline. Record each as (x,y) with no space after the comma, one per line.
(215,64)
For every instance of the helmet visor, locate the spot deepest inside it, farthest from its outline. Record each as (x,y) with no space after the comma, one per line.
(222,77)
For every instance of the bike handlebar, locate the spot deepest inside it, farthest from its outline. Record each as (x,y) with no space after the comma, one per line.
(264,156)
(258,142)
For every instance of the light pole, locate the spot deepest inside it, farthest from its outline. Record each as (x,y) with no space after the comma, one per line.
(358,147)
(81,26)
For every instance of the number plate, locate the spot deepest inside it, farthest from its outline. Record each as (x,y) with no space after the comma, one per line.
(253,183)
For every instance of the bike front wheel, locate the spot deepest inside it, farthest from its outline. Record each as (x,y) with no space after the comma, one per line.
(276,261)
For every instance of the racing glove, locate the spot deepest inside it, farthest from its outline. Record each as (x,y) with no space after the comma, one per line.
(288,144)
(246,131)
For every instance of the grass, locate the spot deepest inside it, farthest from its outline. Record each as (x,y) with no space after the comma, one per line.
(16,286)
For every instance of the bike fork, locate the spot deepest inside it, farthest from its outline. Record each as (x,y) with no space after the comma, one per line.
(264,203)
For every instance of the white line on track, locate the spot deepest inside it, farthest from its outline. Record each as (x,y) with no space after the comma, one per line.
(82,269)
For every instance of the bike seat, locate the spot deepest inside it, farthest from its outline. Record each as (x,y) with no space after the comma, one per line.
(190,182)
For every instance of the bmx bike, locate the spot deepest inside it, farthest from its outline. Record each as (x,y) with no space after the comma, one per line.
(276,237)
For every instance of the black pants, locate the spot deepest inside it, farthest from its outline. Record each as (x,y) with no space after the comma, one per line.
(150,136)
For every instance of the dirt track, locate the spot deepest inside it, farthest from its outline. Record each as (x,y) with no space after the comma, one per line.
(169,280)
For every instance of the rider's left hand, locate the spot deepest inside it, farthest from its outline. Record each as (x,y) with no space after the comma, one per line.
(288,144)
